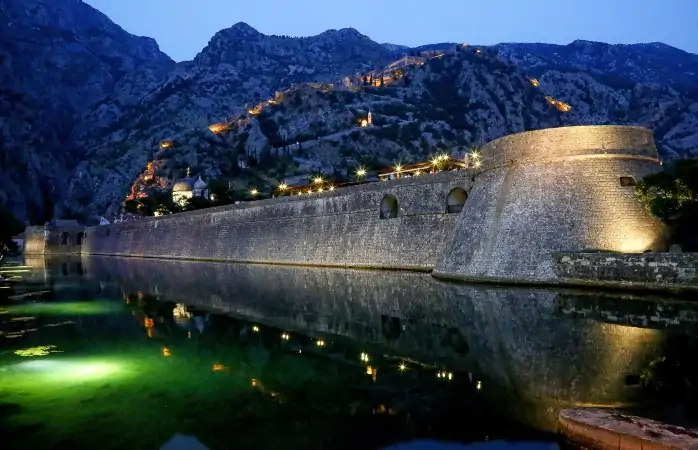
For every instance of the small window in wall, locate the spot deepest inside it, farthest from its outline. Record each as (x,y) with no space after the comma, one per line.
(627,181)
(81,236)
(64,238)
(389,207)
(456,200)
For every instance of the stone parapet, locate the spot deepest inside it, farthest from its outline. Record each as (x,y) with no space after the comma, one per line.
(679,270)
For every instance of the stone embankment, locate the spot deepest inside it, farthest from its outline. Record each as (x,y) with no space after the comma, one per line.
(605,429)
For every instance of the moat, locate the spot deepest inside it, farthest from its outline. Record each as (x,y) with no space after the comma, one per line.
(125,353)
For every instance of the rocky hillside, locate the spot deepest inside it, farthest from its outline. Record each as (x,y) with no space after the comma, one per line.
(449,101)
(59,58)
(258,107)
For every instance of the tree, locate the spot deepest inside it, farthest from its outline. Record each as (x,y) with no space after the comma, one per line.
(672,196)
(9,226)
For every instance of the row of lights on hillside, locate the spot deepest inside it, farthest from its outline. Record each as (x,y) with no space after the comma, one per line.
(362,172)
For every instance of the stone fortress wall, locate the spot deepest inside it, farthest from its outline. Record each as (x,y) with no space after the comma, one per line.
(546,191)
(538,193)
(340,228)
(54,239)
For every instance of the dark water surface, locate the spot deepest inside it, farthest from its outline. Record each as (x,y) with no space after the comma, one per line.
(125,353)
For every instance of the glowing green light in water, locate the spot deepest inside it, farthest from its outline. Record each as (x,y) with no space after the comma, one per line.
(41,350)
(67,308)
(66,371)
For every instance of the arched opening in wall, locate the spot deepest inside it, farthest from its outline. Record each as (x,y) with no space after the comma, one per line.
(455,200)
(389,207)
(64,238)
(81,235)
(391,327)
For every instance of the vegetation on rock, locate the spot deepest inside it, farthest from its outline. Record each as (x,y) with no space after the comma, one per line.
(672,196)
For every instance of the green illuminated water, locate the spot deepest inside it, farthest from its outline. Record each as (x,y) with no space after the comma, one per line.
(105,362)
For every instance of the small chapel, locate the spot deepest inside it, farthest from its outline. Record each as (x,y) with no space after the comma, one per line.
(187,188)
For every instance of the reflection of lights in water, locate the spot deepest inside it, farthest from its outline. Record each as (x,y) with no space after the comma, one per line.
(364,357)
(41,350)
(68,370)
(180,314)
(446,375)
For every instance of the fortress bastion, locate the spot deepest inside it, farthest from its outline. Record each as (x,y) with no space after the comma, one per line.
(545,191)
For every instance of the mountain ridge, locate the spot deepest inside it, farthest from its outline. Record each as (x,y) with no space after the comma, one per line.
(425,102)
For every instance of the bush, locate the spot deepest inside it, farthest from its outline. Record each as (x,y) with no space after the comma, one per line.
(672,196)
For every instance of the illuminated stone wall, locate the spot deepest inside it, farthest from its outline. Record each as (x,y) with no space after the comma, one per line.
(667,269)
(340,228)
(54,240)
(552,190)
(34,241)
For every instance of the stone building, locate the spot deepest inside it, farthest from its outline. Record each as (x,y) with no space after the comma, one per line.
(187,188)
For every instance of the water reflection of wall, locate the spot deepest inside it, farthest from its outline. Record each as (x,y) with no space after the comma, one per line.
(538,358)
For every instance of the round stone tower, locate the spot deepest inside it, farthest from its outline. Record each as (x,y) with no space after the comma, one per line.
(547,191)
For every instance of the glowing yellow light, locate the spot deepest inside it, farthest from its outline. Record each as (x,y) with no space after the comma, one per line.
(402,367)
(285,336)
(148,322)
(435,162)
(254,382)
(41,350)
(218,367)
(364,357)
(478,385)
(417,173)
(331,188)
(255,328)
(398,168)
(320,343)
(477,164)
(369,370)
(283,186)
(319,189)
(166,352)
(364,123)
(474,155)
(310,191)
(254,192)
(361,172)
(318,180)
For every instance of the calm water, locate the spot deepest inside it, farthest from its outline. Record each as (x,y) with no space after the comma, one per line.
(125,353)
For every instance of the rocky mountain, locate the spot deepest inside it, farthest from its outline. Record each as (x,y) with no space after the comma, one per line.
(58,58)
(252,108)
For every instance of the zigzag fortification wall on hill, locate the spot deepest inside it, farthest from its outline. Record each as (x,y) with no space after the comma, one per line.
(536,194)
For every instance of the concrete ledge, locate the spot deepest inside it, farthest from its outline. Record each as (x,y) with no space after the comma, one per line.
(674,271)
(610,430)
(572,283)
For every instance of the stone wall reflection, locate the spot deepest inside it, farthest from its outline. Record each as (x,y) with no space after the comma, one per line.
(534,357)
